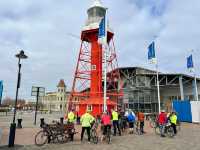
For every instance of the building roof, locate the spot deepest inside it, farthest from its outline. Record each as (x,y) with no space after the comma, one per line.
(61,83)
(153,72)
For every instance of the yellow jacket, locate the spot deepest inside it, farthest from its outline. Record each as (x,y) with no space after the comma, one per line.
(71,117)
(86,120)
(173,119)
(115,116)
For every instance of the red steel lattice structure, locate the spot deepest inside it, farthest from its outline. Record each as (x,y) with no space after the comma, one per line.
(87,88)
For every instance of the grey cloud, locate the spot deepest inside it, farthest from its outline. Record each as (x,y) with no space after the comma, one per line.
(41,28)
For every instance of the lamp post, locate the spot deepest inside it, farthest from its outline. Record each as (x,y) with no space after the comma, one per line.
(11,141)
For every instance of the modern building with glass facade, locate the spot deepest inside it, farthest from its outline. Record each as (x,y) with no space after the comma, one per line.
(140,89)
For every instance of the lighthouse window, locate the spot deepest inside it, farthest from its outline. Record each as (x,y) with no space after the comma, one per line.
(93,67)
(89,107)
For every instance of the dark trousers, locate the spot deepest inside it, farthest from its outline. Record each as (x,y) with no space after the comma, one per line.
(116,126)
(174,128)
(106,128)
(142,126)
(83,131)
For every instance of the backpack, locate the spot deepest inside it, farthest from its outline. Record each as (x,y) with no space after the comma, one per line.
(131,118)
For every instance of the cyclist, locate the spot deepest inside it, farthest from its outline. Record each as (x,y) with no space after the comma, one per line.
(86,120)
(162,120)
(140,117)
(71,118)
(115,119)
(131,120)
(106,123)
(173,120)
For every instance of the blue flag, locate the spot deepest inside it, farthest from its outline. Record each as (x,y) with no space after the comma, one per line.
(151,53)
(102,36)
(1,90)
(190,64)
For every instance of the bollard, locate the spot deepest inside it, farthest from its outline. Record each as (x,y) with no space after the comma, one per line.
(19,123)
(78,120)
(41,122)
(61,120)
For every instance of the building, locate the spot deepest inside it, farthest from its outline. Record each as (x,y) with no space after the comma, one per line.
(140,89)
(56,101)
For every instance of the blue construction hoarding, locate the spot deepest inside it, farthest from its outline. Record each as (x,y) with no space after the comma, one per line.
(183,109)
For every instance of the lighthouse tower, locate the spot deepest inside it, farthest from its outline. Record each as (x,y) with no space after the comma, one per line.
(87,89)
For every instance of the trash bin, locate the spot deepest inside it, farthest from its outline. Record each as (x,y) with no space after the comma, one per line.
(41,122)
(19,123)
(61,120)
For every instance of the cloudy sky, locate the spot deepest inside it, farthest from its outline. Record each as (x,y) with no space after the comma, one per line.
(43,28)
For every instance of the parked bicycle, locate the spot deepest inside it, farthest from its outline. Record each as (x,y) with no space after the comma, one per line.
(55,133)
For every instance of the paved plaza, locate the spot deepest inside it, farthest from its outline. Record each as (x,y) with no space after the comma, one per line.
(187,139)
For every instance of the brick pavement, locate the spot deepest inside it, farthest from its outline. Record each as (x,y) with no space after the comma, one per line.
(187,139)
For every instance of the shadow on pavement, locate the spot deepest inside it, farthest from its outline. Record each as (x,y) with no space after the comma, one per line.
(16,147)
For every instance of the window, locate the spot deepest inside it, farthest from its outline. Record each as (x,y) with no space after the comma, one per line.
(89,107)
(93,67)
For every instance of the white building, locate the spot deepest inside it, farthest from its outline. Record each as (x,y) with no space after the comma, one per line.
(56,101)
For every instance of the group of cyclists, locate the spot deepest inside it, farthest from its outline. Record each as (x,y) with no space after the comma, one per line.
(118,120)
(121,121)
(167,118)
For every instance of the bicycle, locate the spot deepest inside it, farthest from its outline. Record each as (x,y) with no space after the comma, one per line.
(152,121)
(94,135)
(108,135)
(168,130)
(137,128)
(54,133)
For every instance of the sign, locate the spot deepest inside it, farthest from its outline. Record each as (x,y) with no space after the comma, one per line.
(35,89)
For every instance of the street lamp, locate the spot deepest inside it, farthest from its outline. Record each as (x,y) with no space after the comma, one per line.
(11,141)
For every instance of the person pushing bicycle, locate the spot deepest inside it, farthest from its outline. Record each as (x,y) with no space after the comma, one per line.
(86,121)
(106,123)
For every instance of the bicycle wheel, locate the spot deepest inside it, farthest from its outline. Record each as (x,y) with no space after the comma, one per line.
(94,137)
(41,138)
(170,132)
(152,124)
(157,130)
(108,137)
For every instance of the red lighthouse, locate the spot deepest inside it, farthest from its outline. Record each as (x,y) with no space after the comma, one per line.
(87,89)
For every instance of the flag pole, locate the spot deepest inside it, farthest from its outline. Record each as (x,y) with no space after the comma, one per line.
(195,80)
(158,86)
(105,66)
(196,89)
(158,83)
